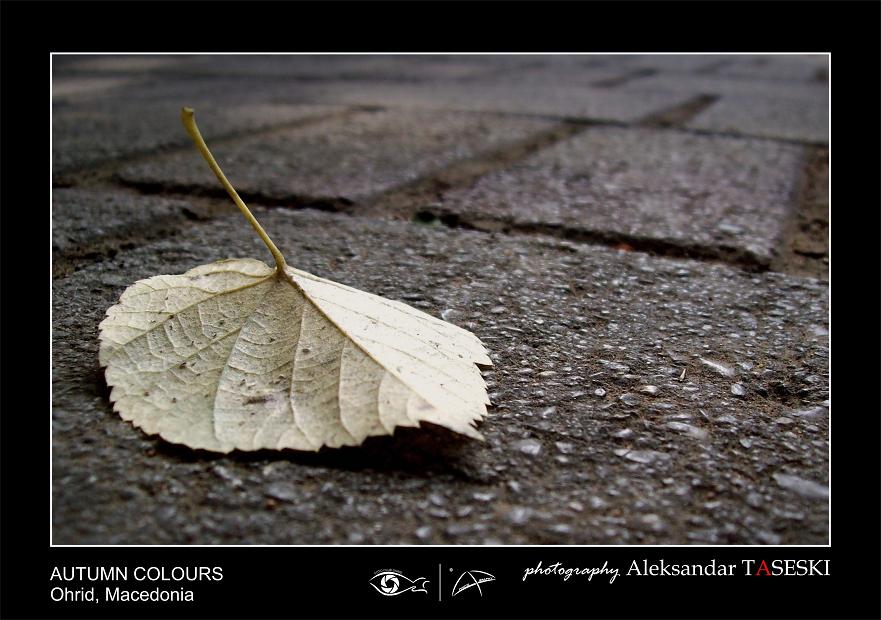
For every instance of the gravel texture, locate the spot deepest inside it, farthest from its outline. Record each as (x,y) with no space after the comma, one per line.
(596,435)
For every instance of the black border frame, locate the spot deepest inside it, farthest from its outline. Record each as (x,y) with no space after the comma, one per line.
(317,581)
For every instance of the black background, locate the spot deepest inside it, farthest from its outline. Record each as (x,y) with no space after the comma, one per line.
(332,582)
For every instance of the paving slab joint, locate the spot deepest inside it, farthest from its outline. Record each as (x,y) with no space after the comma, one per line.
(407,200)
(102,173)
(333,204)
(803,248)
(625,78)
(672,248)
(680,114)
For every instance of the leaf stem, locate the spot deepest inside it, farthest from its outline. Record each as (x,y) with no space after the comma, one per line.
(187,115)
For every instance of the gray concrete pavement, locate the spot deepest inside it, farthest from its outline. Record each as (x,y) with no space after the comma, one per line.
(726,194)
(640,242)
(352,158)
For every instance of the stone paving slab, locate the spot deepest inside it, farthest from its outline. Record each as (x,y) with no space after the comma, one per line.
(206,92)
(407,67)
(789,110)
(794,91)
(707,64)
(349,159)
(107,130)
(74,87)
(759,69)
(304,79)
(806,120)
(90,224)
(441,67)
(510,89)
(73,65)
(300,67)
(726,193)
(510,93)
(542,84)
(381,68)
(637,400)
(803,68)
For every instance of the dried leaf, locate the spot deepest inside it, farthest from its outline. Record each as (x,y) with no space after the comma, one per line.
(239,355)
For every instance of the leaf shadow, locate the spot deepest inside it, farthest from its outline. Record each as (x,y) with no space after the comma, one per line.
(424,452)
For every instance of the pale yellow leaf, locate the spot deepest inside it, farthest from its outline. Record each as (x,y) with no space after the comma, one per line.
(235,355)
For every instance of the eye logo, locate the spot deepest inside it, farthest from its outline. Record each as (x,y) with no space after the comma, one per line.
(391,582)
(470,579)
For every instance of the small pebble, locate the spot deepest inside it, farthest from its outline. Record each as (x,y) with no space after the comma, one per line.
(518,515)
(631,400)
(564,447)
(805,488)
(722,369)
(284,491)
(641,456)
(528,446)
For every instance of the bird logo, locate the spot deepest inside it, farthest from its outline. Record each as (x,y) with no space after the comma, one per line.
(471,579)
